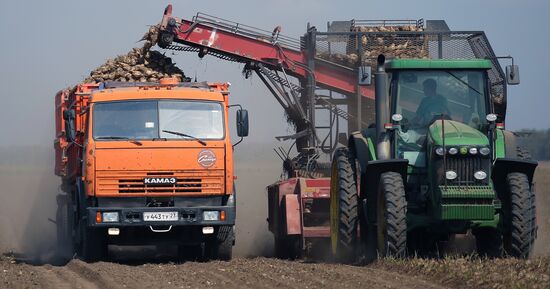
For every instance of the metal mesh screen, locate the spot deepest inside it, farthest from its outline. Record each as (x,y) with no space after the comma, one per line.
(363,44)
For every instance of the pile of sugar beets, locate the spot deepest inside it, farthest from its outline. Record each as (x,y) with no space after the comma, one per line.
(141,64)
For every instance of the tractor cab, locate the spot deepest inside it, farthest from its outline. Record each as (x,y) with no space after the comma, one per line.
(441,109)
(455,92)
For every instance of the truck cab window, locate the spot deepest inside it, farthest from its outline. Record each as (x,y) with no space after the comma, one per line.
(128,119)
(148,119)
(199,119)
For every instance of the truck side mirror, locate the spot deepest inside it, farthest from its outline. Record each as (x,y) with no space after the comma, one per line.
(69,116)
(512,74)
(242,122)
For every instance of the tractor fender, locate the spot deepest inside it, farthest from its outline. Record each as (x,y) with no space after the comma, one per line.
(359,147)
(374,169)
(370,181)
(503,166)
(292,215)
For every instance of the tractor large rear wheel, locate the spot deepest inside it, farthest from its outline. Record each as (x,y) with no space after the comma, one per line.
(343,206)
(391,216)
(519,213)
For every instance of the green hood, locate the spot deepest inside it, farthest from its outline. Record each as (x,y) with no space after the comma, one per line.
(456,134)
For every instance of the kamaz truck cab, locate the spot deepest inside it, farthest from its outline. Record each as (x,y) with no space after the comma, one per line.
(436,163)
(146,163)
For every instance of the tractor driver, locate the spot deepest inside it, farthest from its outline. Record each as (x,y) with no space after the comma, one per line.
(432,105)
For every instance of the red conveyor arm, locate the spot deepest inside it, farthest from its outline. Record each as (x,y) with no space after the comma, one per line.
(243,43)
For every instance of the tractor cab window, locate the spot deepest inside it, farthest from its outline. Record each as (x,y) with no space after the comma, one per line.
(423,96)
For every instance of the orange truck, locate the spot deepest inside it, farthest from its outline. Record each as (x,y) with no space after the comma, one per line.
(146,163)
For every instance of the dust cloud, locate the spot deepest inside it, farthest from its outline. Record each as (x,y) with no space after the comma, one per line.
(256,166)
(27,201)
(542,191)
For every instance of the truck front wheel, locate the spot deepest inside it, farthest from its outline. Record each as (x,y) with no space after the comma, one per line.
(221,247)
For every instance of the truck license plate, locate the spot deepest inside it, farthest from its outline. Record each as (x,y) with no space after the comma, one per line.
(160,216)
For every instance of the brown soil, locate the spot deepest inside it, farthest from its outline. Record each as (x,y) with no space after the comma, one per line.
(239,273)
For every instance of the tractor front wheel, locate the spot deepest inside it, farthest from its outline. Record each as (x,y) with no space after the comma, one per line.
(519,217)
(343,206)
(391,216)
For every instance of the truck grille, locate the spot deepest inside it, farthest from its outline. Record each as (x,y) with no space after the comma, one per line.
(200,182)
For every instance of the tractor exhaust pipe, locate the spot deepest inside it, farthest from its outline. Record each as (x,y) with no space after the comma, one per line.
(382,104)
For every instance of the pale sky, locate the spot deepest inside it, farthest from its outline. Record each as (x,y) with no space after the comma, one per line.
(49,45)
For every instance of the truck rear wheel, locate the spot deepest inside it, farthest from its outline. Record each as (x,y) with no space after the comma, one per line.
(343,206)
(391,216)
(519,214)
(221,247)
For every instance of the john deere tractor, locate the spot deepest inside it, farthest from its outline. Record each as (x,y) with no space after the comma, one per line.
(437,162)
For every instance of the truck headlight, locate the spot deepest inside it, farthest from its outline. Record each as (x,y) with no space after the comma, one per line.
(484,151)
(480,175)
(473,151)
(439,151)
(450,175)
(211,215)
(453,151)
(110,217)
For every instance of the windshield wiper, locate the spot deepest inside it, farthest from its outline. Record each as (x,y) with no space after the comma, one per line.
(122,138)
(463,82)
(185,135)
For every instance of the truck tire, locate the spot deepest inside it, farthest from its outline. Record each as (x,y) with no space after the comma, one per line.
(221,247)
(391,216)
(519,217)
(489,242)
(343,206)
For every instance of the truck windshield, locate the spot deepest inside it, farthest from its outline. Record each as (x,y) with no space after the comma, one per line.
(149,119)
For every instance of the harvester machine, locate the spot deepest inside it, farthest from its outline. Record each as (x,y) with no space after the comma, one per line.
(353,93)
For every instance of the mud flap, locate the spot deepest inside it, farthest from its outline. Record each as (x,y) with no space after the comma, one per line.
(292,219)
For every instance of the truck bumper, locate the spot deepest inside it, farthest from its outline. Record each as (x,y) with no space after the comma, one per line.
(186,216)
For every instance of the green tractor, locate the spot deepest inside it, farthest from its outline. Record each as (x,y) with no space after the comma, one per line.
(436,163)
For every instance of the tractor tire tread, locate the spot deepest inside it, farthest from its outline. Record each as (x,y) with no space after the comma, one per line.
(521,218)
(348,204)
(396,214)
